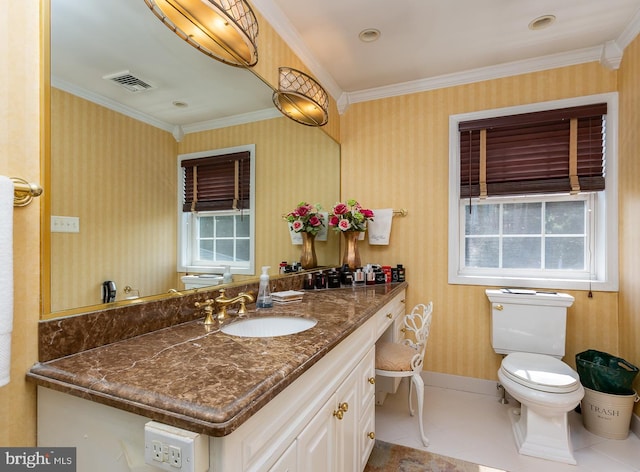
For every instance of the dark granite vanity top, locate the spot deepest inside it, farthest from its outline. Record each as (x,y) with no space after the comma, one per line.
(209,382)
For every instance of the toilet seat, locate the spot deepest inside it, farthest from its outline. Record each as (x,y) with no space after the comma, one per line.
(540,372)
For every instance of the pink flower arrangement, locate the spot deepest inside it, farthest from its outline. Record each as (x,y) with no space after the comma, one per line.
(306,218)
(349,216)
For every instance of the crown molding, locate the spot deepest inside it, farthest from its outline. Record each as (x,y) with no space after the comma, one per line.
(178,131)
(108,103)
(477,75)
(630,32)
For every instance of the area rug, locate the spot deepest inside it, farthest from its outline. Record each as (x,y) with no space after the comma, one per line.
(387,457)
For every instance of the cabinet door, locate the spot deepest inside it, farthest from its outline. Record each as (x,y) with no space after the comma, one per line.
(287,461)
(347,436)
(316,443)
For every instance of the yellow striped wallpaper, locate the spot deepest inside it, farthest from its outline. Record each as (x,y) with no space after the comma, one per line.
(395,154)
(629,323)
(118,176)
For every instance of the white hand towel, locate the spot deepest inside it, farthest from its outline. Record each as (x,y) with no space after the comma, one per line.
(380,228)
(6,277)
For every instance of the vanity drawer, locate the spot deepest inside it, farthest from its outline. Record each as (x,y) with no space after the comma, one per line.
(387,314)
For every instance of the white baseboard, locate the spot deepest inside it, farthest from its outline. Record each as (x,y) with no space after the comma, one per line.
(458,382)
(485,387)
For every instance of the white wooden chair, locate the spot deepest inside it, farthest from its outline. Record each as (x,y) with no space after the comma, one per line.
(405,359)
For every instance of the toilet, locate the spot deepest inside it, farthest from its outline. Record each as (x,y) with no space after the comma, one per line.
(529,328)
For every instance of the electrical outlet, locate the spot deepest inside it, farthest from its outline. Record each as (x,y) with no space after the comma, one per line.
(175,457)
(156,450)
(175,449)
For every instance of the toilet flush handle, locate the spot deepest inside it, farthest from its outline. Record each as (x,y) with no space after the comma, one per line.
(498,307)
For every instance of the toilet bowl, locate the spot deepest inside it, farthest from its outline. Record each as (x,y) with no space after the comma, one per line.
(547,390)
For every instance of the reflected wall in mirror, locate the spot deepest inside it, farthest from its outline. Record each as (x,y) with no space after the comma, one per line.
(118,175)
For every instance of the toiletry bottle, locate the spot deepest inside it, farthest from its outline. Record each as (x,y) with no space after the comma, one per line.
(401,273)
(264,292)
(227,278)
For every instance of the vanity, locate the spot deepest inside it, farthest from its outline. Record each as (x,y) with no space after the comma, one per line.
(301,402)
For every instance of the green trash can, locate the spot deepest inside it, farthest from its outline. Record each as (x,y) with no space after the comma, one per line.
(605,373)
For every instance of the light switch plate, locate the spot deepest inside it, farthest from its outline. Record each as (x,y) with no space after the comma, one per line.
(65,224)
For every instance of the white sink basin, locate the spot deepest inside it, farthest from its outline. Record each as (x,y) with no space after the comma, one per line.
(268,326)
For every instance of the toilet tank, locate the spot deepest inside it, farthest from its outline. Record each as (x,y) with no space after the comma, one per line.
(529,321)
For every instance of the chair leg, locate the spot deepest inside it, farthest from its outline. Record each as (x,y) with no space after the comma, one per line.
(411,410)
(419,383)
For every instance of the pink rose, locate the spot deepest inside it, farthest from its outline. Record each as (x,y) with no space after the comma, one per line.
(367,213)
(302,210)
(344,225)
(333,221)
(297,225)
(340,209)
(315,221)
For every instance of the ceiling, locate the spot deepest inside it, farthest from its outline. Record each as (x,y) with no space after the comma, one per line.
(423,44)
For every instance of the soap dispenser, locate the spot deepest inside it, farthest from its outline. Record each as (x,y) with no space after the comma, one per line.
(264,292)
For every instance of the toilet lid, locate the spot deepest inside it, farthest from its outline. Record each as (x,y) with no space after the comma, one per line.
(540,372)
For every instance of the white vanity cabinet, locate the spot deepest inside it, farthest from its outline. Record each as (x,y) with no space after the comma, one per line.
(392,325)
(323,421)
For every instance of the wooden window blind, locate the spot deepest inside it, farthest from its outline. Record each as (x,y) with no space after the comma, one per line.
(555,151)
(217,182)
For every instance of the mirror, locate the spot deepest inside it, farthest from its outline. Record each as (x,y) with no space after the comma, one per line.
(113,153)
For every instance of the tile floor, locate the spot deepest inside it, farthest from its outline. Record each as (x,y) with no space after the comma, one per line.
(475,427)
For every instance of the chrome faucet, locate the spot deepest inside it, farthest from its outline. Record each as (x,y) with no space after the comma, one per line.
(222,302)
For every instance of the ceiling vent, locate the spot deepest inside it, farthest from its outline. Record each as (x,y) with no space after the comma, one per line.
(129,81)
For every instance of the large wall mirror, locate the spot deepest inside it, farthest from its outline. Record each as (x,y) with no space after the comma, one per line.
(127,98)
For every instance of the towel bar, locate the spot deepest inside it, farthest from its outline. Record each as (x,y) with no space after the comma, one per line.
(24,191)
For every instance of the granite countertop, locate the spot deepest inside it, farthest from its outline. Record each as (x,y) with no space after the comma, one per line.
(206,381)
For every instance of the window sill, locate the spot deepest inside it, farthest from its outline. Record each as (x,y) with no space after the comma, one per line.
(556,284)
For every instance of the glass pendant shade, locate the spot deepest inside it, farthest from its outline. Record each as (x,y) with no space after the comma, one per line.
(225,30)
(301,98)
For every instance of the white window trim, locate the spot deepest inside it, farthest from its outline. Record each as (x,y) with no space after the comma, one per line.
(606,276)
(183,220)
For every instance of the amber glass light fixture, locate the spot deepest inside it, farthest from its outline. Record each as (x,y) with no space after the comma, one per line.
(301,98)
(225,30)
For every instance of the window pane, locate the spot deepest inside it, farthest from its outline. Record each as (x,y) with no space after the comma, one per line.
(565,217)
(481,252)
(206,226)
(483,219)
(224,226)
(521,253)
(206,250)
(224,250)
(242,250)
(242,226)
(564,253)
(522,218)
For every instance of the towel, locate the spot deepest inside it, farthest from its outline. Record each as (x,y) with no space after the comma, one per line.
(6,277)
(380,228)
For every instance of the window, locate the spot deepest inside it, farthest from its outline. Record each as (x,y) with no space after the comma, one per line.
(531,201)
(216,204)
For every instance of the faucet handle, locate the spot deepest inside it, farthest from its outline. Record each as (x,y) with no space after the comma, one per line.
(208,310)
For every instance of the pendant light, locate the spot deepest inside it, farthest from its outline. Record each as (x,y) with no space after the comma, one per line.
(225,30)
(301,98)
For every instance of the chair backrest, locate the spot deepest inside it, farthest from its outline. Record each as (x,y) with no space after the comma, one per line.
(417,325)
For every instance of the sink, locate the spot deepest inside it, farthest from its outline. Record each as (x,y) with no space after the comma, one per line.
(268,326)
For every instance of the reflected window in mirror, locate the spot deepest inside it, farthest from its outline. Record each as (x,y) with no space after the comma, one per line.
(216,206)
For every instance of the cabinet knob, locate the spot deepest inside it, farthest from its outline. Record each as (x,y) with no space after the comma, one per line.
(372,380)
(403,330)
(342,409)
(389,315)
(498,307)
(371,435)
(402,301)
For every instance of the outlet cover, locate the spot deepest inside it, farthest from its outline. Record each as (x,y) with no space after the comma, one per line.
(181,450)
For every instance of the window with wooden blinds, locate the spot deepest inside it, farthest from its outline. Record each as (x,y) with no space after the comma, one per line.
(555,151)
(217,183)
